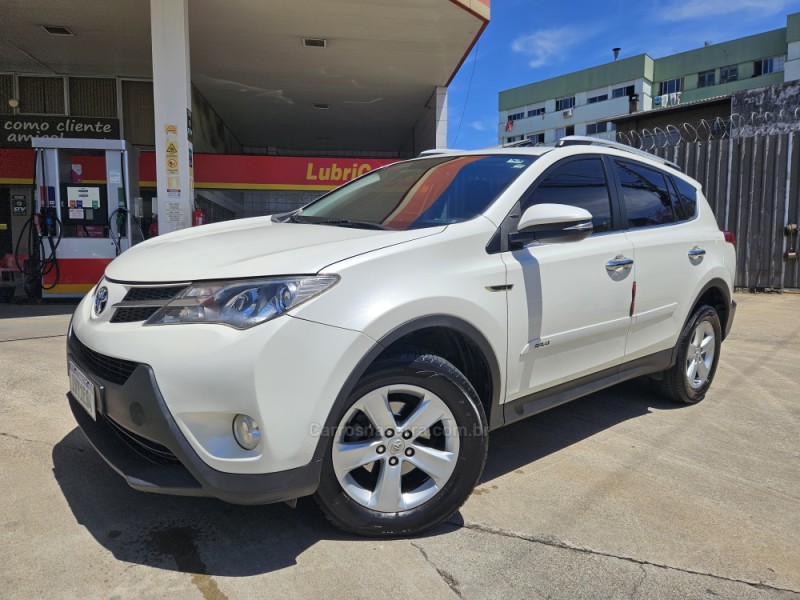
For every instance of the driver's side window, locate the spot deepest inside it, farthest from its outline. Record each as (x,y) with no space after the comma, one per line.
(580,183)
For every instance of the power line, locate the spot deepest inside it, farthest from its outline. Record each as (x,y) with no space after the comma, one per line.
(469,87)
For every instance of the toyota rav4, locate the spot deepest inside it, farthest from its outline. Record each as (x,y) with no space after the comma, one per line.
(361,348)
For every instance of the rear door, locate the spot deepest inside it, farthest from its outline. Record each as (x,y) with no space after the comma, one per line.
(667,253)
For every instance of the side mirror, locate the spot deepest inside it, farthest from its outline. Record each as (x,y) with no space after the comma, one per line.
(552,224)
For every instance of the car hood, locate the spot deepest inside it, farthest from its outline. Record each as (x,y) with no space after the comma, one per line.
(250,248)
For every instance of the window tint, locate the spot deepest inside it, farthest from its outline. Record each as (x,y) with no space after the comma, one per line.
(426,192)
(688,197)
(645,195)
(579,183)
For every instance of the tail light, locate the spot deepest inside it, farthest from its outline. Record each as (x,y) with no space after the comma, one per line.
(730,238)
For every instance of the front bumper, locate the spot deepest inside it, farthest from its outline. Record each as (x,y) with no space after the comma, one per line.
(138,437)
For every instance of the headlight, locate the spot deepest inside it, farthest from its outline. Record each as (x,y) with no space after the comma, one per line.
(241,304)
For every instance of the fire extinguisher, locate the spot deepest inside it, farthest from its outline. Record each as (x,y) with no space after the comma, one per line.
(199,217)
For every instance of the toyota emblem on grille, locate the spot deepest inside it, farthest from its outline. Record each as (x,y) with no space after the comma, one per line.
(100,300)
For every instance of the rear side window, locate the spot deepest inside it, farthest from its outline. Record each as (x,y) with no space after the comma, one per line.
(687,195)
(645,195)
(579,183)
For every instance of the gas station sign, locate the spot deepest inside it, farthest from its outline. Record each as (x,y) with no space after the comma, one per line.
(16,131)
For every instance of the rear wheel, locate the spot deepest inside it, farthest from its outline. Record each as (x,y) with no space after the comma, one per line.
(698,354)
(408,448)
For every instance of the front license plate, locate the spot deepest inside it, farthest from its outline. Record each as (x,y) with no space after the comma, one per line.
(82,389)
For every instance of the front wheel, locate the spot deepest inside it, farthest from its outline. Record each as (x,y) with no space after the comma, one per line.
(408,448)
(697,357)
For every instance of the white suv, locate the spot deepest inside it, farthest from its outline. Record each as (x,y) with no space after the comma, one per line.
(361,348)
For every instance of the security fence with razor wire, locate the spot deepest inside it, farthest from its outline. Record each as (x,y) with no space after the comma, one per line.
(749,166)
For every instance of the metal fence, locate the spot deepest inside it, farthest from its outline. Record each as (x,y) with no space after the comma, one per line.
(751,177)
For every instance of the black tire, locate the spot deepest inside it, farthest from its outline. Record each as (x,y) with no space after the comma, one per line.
(414,384)
(677,384)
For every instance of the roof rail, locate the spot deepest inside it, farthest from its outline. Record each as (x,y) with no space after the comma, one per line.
(576,140)
(524,143)
(435,151)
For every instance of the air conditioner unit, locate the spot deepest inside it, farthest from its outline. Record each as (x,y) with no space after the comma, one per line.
(567,113)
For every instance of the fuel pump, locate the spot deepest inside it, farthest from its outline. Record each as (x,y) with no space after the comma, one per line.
(84,189)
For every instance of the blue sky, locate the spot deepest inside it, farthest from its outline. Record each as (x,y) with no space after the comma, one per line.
(531,40)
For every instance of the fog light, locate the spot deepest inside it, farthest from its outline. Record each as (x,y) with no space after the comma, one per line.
(246,432)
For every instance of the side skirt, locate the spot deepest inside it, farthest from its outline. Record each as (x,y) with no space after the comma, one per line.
(541,401)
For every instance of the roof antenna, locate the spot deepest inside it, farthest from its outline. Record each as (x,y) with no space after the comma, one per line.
(616,52)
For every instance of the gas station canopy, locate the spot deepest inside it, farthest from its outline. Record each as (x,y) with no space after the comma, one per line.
(314,75)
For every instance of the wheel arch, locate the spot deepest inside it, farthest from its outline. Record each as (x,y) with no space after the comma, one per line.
(716,294)
(447,336)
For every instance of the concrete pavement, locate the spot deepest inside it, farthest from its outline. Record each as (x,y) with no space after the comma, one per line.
(616,495)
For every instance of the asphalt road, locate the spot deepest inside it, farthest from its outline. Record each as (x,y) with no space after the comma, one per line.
(618,495)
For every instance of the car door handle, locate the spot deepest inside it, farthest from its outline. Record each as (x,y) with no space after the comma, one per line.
(620,263)
(696,252)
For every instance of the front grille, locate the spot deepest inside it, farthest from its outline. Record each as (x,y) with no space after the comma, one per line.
(133,314)
(147,449)
(141,303)
(138,294)
(114,370)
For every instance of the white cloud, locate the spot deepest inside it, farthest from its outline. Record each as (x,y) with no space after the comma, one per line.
(686,10)
(545,44)
(478,125)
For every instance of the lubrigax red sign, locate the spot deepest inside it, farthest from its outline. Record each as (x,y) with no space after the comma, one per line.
(336,174)
(217,171)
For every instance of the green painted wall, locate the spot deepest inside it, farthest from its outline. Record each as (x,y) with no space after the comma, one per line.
(627,69)
(793,28)
(744,83)
(735,52)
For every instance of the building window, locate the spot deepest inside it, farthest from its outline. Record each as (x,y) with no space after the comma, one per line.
(565,103)
(623,92)
(536,112)
(671,86)
(768,65)
(706,78)
(536,138)
(513,138)
(596,99)
(595,128)
(138,113)
(563,131)
(6,92)
(516,116)
(92,97)
(42,95)
(728,74)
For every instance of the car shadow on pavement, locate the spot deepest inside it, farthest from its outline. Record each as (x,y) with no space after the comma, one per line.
(44,308)
(209,537)
(193,535)
(525,442)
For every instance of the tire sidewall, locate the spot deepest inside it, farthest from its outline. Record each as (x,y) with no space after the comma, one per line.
(703,313)
(462,400)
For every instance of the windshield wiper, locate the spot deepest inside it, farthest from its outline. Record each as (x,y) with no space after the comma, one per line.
(351,223)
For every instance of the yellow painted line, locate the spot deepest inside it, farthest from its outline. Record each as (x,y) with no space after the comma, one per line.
(69,288)
(15,181)
(263,186)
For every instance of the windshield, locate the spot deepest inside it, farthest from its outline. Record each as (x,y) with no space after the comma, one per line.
(418,193)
